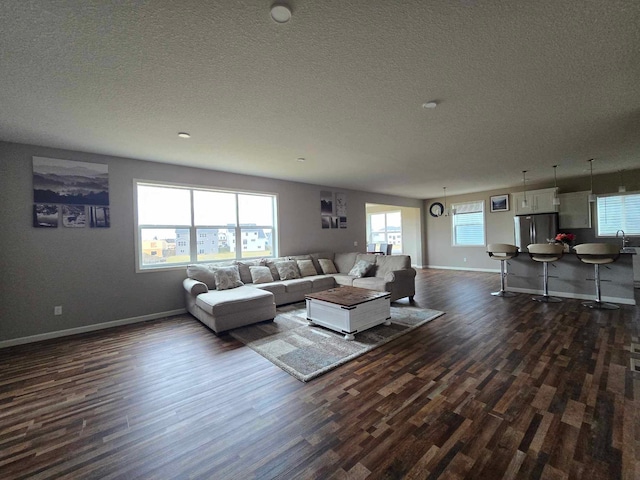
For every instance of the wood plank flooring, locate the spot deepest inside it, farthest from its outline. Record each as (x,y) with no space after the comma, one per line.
(496,388)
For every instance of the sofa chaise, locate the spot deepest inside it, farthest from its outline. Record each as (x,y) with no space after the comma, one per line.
(233,294)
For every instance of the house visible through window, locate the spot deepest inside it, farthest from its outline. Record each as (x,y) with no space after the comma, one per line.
(178,225)
(618,212)
(468,223)
(386,227)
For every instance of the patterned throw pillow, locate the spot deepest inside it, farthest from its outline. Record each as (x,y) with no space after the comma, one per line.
(261,274)
(273,269)
(327,266)
(288,270)
(361,268)
(227,277)
(306,268)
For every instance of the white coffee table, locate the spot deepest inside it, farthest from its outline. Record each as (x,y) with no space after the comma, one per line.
(349,310)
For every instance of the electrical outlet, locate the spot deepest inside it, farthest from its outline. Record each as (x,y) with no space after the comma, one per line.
(355,244)
(57,310)
(465,259)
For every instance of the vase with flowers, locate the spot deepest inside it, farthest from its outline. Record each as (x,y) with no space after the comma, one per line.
(566,239)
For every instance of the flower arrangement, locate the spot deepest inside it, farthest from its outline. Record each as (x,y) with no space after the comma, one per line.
(565,237)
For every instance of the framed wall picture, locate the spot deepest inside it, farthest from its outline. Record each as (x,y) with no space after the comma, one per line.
(326,203)
(500,203)
(45,215)
(70,183)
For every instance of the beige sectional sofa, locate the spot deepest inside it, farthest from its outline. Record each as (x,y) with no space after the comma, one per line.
(224,303)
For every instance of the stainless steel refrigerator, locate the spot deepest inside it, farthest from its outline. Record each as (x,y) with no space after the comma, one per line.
(535,228)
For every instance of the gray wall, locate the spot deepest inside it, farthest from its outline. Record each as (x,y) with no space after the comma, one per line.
(500,225)
(91,272)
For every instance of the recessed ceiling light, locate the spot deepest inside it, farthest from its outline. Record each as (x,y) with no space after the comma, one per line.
(184,135)
(429,105)
(280,13)
(301,159)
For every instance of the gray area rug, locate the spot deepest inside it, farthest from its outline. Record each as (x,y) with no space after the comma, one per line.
(307,352)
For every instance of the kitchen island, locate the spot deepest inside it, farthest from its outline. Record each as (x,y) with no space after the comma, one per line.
(570,278)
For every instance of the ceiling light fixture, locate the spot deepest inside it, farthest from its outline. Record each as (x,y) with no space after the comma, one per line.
(184,135)
(431,104)
(301,159)
(592,196)
(556,199)
(621,187)
(280,13)
(525,204)
(446,210)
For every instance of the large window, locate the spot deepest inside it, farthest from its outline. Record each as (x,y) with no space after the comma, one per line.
(468,223)
(618,212)
(177,225)
(386,227)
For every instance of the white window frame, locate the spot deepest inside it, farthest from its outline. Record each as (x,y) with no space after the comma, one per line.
(193,238)
(628,232)
(465,208)
(387,232)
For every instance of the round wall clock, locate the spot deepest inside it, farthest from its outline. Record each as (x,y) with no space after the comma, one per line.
(436,209)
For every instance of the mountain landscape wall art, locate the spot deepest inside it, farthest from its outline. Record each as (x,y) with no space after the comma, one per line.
(70,183)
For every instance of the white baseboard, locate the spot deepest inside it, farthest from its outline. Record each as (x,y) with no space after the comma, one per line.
(465,269)
(89,328)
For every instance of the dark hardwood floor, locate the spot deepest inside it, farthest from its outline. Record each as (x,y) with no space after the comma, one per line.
(496,388)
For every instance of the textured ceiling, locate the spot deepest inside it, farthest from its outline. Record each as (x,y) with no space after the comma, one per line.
(520,85)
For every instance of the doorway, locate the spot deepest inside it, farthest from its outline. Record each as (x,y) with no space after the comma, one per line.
(395,225)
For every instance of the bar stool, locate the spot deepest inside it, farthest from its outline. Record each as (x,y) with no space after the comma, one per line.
(502,252)
(598,254)
(545,253)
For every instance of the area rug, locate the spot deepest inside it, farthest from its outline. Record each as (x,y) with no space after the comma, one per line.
(307,352)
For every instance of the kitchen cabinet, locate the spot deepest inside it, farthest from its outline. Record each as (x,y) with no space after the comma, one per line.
(575,210)
(538,201)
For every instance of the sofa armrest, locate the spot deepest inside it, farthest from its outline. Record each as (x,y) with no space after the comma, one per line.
(194,287)
(400,275)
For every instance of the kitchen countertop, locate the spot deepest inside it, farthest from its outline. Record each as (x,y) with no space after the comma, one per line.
(571,252)
(571,278)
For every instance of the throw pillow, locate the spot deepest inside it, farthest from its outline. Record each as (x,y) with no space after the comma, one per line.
(202,273)
(327,266)
(227,277)
(261,274)
(288,270)
(274,270)
(306,268)
(243,268)
(361,268)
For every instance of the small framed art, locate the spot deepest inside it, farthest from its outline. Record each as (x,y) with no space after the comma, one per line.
(500,203)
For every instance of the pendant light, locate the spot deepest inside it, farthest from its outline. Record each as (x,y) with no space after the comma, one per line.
(446,209)
(525,204)
(592,196)
(621,187)
(556,199)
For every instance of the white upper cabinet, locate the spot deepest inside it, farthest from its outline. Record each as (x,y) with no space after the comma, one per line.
(538,201)
(575,210)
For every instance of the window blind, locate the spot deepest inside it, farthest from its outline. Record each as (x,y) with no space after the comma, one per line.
(469,207)
(468,223)
(618,212)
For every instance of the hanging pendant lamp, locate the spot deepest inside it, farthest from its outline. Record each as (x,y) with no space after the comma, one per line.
(525,204)
(556,199)
(592,196)
(446,209)
(621,186)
